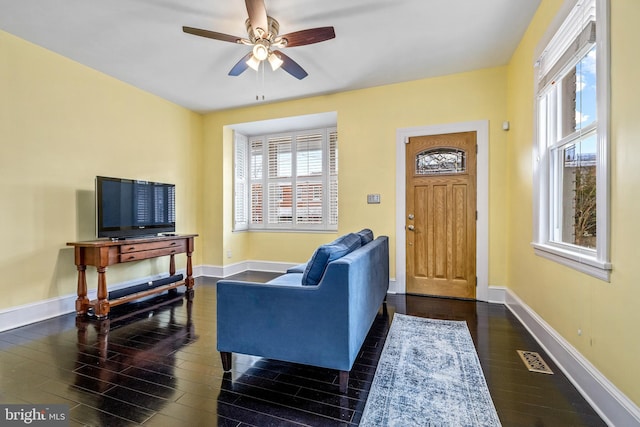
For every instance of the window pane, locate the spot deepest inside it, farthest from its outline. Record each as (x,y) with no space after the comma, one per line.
(256,204)
(309,155)
(579,193)
(579,95)
(333,202)
(255,166)
(240,202)
(333,153)
(309,203)
(280,203)
(586,112)
(280,157)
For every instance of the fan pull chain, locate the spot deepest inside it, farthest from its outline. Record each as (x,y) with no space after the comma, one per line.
(260,81)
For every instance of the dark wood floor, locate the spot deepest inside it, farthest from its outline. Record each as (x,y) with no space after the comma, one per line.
(154,364)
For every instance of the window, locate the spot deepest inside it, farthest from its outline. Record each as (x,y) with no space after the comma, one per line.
(287,181)
(440,161)
(572,149)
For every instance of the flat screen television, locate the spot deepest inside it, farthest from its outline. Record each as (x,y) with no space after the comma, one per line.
(132,208)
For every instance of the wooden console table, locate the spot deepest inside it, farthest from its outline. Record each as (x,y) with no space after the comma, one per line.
(103,253)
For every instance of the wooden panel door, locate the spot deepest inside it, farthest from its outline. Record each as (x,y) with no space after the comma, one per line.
(441,215)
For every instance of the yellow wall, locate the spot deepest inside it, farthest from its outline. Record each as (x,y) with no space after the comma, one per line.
(61,124)
(605,312)
(367,124)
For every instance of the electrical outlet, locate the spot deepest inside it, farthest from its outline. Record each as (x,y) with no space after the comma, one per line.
(229,254)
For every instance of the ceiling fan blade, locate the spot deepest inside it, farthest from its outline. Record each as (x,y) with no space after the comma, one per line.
(241,66)
(258,16)
(291,66)
(211,34)
(310,36)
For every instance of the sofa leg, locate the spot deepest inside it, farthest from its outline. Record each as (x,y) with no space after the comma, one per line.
(226,360)
(344,381)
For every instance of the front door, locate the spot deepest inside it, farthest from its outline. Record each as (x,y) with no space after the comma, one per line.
(441,215)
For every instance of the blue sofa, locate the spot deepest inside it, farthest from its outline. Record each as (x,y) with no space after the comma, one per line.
(318,313)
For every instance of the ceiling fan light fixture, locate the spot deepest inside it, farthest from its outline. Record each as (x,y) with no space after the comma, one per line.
(260,51)
(253,62)
(275,61)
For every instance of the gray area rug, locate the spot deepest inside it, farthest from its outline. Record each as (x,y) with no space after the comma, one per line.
(429,375)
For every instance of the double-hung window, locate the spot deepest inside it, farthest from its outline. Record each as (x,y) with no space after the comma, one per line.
(287,181)
(572,145)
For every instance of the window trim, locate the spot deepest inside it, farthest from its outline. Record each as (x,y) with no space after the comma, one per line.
(596,262)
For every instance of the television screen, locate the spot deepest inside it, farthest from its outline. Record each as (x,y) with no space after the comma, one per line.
(127,208)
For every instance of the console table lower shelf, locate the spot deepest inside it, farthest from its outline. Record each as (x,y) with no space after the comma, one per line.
(104,253)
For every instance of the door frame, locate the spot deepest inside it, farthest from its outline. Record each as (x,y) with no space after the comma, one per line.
(481,127)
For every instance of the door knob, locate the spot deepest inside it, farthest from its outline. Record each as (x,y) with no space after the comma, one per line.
(411,227)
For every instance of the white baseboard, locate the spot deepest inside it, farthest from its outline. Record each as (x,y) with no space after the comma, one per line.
(609,402)
(497,294)
(239,267)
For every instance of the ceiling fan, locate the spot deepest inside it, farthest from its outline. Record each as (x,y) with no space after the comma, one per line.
(262,31)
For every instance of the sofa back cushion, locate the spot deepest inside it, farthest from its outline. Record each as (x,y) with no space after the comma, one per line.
(324,254)
(366,236)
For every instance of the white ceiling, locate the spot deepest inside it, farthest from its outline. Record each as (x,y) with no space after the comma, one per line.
(377,42)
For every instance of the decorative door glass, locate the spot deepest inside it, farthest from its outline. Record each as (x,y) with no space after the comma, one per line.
(437,161)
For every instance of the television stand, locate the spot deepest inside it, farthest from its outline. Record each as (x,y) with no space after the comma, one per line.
(104,253)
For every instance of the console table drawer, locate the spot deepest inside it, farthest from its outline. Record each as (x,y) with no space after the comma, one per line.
(152,253)
(137,247)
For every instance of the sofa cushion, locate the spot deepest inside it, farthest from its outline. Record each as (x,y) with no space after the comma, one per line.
(297,268)
(290,279)
(366,236)
(324,254)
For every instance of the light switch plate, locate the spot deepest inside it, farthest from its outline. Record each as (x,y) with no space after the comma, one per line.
(373,198)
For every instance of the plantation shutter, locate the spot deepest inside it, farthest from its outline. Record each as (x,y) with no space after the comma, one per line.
(573,39)
(256,164)
(290,181)
(241,196)
(280,187)
(309,193)
(333,178)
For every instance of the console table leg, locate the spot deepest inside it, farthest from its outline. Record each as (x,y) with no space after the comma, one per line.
(172,265)
(189,279)
(82,302)
(102,305)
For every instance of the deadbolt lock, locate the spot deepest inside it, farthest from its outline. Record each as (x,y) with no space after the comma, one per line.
(411,216)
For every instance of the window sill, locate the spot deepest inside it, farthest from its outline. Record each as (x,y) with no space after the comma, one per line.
(287,230)
(585,263)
